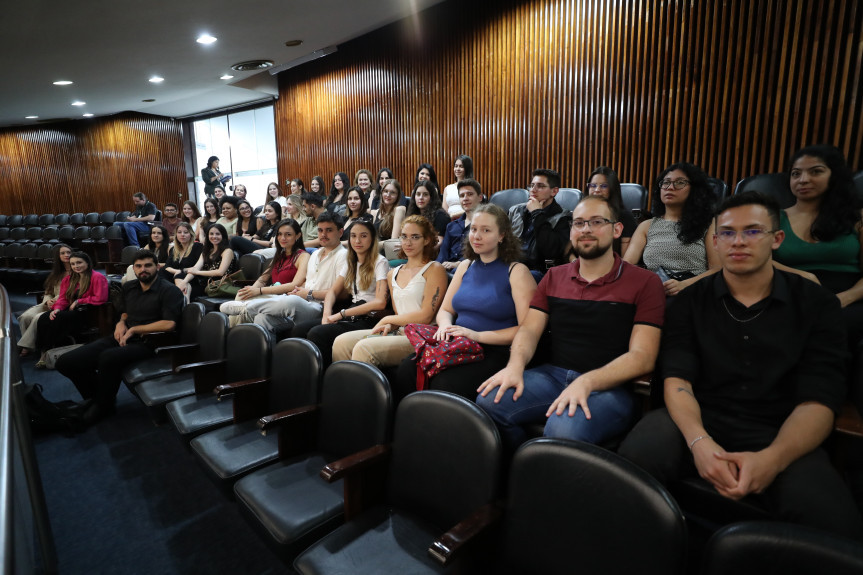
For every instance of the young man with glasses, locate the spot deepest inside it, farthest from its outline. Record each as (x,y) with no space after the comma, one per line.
(754,370)
(540,223)
(605,316)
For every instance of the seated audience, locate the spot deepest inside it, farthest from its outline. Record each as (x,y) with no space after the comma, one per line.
(540,223)
(306,303)
(384,174)
(210,217)
(451,247)
(286,272)
(318,186)
(298,188)
(263,234)
(294,209)
(462,169)
(486,301)
(676,243)
(216,261)
(754,374)
(416,288)
(83,286)
(603,182)
(338,192)
(27,321)
(182,254)
(356,208)
(313,207)
(605,316)
(388,218)
(158,243)
(426,173)
(426,202)
(170,219)
(219,193)
(151,304)
(274,193)
(145,211)
(247,222)
(240,191)
(230,215)
(363,180)
(191,215)
(363,277)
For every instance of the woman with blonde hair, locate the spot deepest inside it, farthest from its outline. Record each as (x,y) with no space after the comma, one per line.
(183,253)
(27,321)
(388,218)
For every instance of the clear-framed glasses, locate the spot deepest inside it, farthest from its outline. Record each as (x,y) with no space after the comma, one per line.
(593,223)
(592,186)
(410,238)
(677,184)
(750,235)
(538,186)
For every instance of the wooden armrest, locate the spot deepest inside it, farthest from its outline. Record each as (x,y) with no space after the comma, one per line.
(641,384)
(374,455)
(444,548)
(178,347)
(229,388)
(849,421)
(200,364)
(268,421)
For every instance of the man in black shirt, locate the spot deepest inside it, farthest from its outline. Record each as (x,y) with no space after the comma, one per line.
(541,223)
(150,304)
(754,373)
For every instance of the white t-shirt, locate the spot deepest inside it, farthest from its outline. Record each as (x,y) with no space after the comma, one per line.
(450,194)
(321,273)
(382,267)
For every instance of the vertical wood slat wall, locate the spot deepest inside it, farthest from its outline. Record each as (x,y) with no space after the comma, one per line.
(94,165)
(733,86)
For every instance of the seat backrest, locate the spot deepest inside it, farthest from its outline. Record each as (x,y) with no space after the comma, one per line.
(18,233)
(720,189)
(252,265)
(509,198)
(50,233)
(758,547)
(61,219)
(29,251)
(634,196)
(295,375)
(97,232)
(158,216)
(356,409)
(213,336)
(33,233)
(568,198)
(14,250)
(121,216)
(774,185)
(66,233)
(92,218)
(76,219)
(46,220)
(31,220)
(45,252)
(107,217)
(4,233)
(2,220)
(15,220)
(193,313)
(248,352)
(597,496)
(82,232)
(127,256)
(114,233)
(446,458)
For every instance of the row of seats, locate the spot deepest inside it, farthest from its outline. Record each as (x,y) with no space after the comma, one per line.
(334,478)
(76,219)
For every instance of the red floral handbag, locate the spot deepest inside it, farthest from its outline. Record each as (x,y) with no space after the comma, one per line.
(434,356)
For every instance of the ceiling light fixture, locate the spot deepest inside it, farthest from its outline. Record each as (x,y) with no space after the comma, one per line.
(88,115)
(292,43)
(206,39)
(157,80)
(30,117)
(149,100)
(62,82)
(303,59)
(252,65)
(79,103)
(226,77)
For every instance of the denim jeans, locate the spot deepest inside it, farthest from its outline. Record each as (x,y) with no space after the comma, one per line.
(131,230)
(612,411)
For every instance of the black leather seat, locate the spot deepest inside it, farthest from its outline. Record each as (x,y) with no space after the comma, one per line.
(76,219)
(444,465)
(761,548)
(509,198)
(287,501)
(774,185)
(634,196)
(209,344)
(46,220)
(165,361)
(91,219)
(238,449)
(568,198)
(247,357)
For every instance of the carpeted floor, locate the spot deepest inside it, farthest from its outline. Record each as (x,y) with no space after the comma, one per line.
(128,497)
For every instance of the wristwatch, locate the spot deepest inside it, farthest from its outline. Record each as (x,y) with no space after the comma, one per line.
(310,297)
(342,313)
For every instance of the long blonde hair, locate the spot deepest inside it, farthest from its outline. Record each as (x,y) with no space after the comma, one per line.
(386,216)
(367,270)
(181,251)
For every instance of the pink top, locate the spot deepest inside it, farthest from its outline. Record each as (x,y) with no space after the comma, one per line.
(96,294)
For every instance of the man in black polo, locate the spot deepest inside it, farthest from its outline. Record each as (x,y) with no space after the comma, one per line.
(151,304)
(754,373)
(541,223)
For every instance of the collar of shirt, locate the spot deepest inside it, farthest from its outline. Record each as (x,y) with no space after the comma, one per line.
(616,270)
(778,291)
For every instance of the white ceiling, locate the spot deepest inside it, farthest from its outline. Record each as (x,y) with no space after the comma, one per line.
(110,49)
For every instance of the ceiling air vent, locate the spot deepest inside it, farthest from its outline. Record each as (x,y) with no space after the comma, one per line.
(252,65)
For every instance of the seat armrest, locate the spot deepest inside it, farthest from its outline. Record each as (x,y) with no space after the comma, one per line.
(849,421)
(355,462)
(641,384)
(207,374)
(200,364)
(178,347)
(445,547)
(238,386)
(267,422)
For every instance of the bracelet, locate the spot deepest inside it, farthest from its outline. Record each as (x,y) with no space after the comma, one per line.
(697,439)
(342,314)
(261,290)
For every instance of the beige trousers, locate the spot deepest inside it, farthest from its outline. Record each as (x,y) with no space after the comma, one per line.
(378,350)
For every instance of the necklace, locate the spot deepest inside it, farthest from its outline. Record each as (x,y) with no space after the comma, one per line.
(738,320)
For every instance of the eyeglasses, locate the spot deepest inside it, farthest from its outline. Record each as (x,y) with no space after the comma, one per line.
(678,184)
(752,234)
(597,186)
(539,186)
(411,238)
(593,223)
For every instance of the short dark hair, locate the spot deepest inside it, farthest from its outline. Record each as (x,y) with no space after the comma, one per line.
(210,161)
(615,214)
(140,195)
(752,198)
(169,204)
(326,216)
(233,200)
(469,182)
(145,255)
(313,199)
(552,176)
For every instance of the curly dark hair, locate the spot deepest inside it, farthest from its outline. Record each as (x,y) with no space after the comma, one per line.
(839,213)
(699,207)
(509,249)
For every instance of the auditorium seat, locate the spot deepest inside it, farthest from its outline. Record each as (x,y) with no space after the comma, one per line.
(66,234)
(46,220)
(76,219)
(16,235)
(509,198)
(33,235)
(107,218)
(61,219)
(115,270)
(15,220)
(774,185)
(568,198)
(634,196)
(247,357)
(81,233)
(121,216)
(31,221)
(444,465)
(91,219)
(115,240)
(50,234)
(231,452)
(720,189)
(759,548)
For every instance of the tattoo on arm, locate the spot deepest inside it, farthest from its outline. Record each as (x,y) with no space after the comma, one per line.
(435,298)
(684,390)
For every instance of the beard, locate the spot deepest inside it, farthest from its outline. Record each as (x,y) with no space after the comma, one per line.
(593,252)
(146,278)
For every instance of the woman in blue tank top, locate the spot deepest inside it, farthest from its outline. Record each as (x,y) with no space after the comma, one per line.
(486,301)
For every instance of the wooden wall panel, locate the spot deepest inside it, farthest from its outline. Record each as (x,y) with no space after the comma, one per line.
(734,86)
(94,165)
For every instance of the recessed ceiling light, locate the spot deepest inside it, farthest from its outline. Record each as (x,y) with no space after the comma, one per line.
(79,103)
(157,80)
(149,100)
(252,65)
(226,77)
(291,43)
(30,117)
(206,39)
(62,82)
(88,115)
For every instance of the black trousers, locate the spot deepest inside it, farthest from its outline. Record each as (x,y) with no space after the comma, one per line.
(810,491)
(96,369)
(461,380)
(51,333)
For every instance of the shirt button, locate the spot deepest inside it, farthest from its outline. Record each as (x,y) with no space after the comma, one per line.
(746,337)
